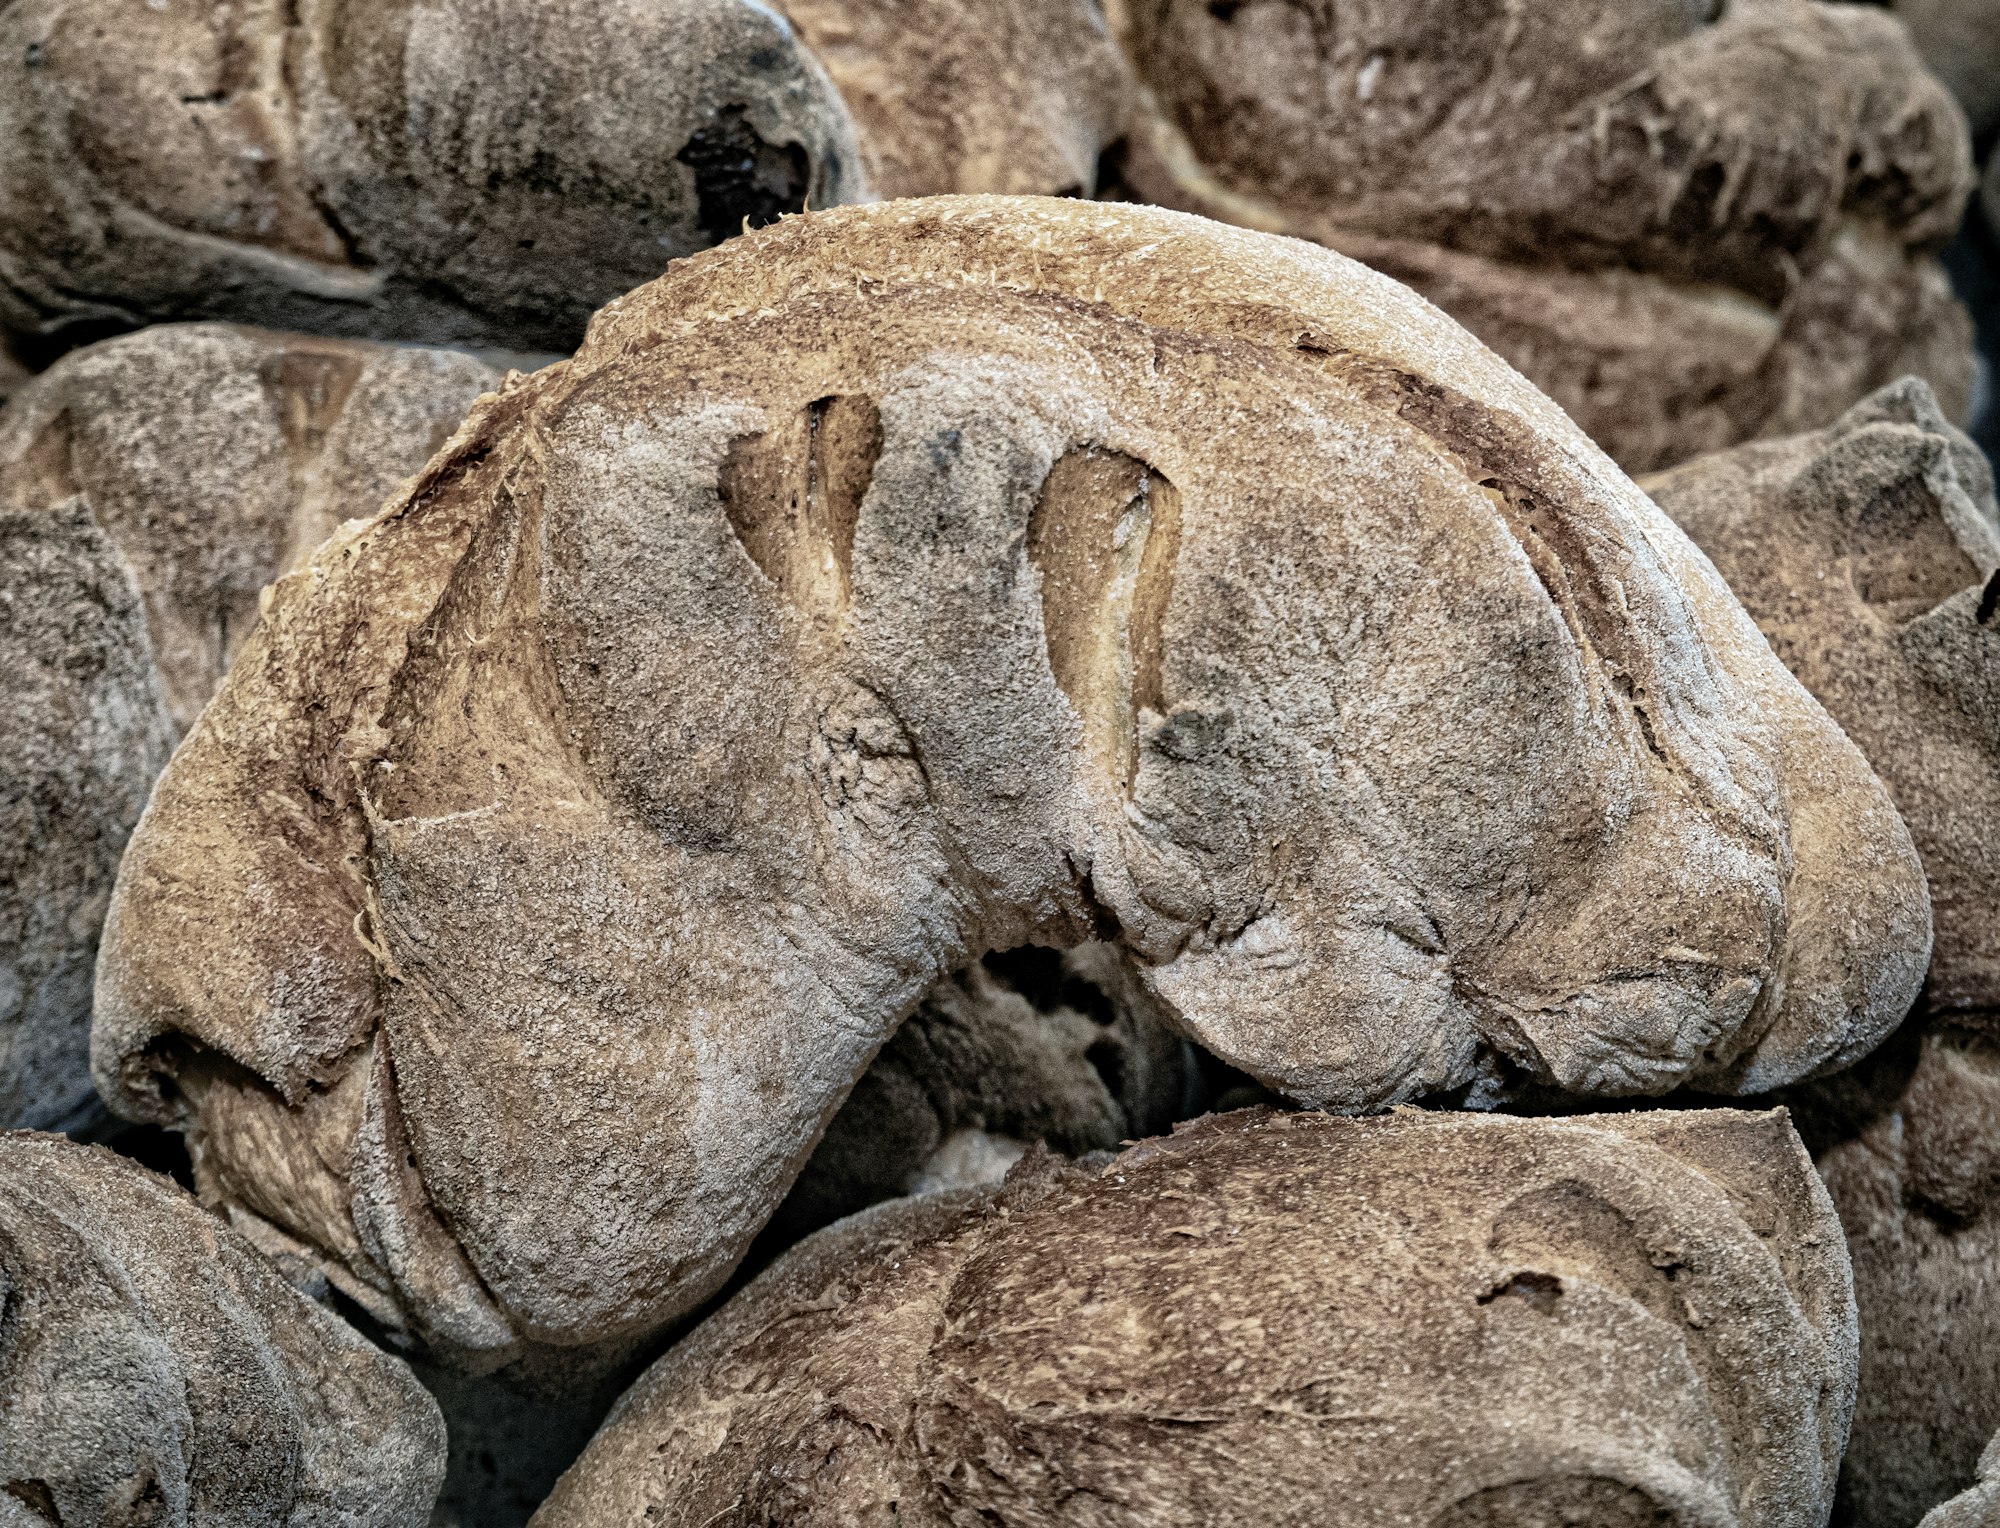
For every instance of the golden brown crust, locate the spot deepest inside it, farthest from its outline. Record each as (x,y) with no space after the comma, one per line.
(626,782)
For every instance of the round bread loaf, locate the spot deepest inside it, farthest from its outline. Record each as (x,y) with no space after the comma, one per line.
(1869,554)
(899,584)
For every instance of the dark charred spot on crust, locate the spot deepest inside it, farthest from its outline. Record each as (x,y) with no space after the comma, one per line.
(739,178)
(36,1496)
(1224,10)
(1540,1290)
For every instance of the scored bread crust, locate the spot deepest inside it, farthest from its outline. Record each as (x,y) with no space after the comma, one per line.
(902,583)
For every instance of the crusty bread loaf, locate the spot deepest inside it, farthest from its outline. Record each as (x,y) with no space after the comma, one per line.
(897,584)
(1691,224)
(153,1369)
(492,171)
(479,171)
(150,487)
(1425,1321)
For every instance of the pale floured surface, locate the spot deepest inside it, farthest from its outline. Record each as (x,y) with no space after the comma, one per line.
(150,488)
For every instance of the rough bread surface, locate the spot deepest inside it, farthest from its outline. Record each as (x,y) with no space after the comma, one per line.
(150,487)
(1019,97)
(1691,223)
(154,1369)
(492,171)
(898,584)
(1914,1169)
(1869,555)
(477,171)
(1437,1321)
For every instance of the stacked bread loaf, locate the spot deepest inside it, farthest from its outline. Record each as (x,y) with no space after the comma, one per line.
(851,762)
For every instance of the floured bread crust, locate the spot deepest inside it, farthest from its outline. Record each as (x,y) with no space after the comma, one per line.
(1691,224)
(154,1369)
(900,584)
(1869,555)
(477,172)
(150,488)
(490,172)
(1015,98)
(1426,1321)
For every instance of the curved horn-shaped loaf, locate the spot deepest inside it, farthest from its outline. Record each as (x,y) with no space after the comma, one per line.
(1691,223)
(899,584)
(1428,1321)
(154,1369)
(150,487)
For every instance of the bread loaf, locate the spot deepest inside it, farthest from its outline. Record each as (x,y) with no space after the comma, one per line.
(150,487)
(1690,223)
(153,1369)
(1424,1321)
(899,584)
(489,172)
(1869,554)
